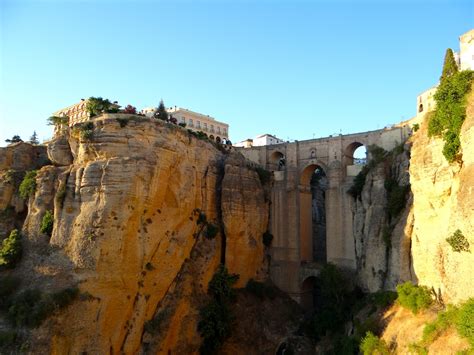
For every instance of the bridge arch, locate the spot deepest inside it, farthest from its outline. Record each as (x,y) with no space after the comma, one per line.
(277,160)
(312,201)
(355,154)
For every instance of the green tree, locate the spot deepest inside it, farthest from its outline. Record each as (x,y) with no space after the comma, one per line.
(58,120)
(15,139)
(97,105)
(47,223)
(28,185)
(34,138)
(161,112)
(413,297)
(449,67)
(10,250)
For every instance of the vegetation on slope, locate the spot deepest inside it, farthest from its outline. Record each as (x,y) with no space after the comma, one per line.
(10,250)
(450,97)
(215,323)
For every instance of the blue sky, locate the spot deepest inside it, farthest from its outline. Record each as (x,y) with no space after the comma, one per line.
(296,69)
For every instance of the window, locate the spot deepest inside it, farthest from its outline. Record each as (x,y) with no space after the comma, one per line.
(218,129)
(190,121)
(205,125)
(198,124)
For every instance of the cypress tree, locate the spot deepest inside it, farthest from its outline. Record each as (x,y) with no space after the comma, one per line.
(161,112)
(449,67)
(34,138)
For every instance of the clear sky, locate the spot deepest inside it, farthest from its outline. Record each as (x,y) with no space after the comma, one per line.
(295,69)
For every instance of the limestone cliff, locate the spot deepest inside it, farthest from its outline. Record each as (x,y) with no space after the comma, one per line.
(126,201)
(382,241)
(413,246)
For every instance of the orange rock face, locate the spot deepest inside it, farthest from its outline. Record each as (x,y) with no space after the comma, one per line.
(127,225)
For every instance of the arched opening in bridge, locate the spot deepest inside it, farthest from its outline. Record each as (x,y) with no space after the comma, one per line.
(314,184)
(308,292)
(218,139)
(355,154)
(277,159)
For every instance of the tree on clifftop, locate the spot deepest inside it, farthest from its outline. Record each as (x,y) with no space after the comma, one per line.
(34,138)
(449,67)
(161,112)
(15,139)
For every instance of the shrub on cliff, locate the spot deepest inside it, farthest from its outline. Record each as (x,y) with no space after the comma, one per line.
(97,105)
(10,250)
(458,242)
(414,297)
(215,319)
(31,307)
(447,119)
(372,345)
(396,197)
(28,185)
(465,321)
(220,286)
(47,223)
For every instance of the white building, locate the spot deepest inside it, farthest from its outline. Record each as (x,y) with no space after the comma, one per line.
(196,122)
(261,140)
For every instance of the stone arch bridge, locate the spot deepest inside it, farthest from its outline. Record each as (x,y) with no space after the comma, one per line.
(304,235)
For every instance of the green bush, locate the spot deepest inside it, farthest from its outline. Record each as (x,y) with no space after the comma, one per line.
(267,239)
(384,298)
(416,127)
(372,345)
(28,185)
(10,250)
(465,321)
(458,242)
(412,297)
(358,184)
(47,223)
(396,197)
(447,119)
(97,105)
(333,302)
(215,319)
(220,286)
(58,121)
(31,307)
(377,153)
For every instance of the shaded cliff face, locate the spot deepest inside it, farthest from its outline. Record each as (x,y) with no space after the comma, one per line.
(382,241)
(440,202)
(125,230)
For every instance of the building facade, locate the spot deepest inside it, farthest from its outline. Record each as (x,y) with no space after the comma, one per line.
(195,121)
(76,113)
(259,141)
